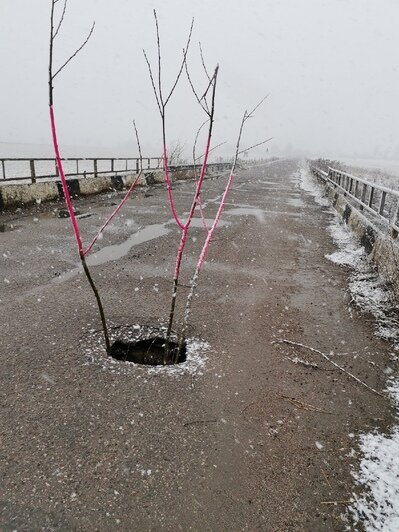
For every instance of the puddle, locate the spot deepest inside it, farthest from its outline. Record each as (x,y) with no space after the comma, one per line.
(117,251)
(248,211)
(197,222)
(261,214)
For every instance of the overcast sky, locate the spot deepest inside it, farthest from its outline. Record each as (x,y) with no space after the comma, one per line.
(330,66)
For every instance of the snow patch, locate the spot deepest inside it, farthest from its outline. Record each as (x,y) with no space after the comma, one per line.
(377,509)
(308,184)
(368,290)
(94,351)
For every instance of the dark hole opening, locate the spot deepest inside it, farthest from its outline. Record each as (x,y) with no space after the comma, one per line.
(6,227)
(150,352)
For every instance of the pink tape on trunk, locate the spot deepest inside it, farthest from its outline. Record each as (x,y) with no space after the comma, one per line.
(201,209)
(169,188)
(64,184)
(199,183)
(115,212)
(215,222)
(186,226)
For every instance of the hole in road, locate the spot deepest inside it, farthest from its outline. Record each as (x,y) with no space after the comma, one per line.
(4,228)
(150,352)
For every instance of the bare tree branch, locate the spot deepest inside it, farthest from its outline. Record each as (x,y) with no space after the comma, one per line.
(203,62)
(211,150)
(153,82)
(255,145)
(313,350)
(124,199)
(159,59)
(257,106)
(61,19)
(203,97)
(185,51)
(75,53)
(203,105)
(195,143)
(138,145)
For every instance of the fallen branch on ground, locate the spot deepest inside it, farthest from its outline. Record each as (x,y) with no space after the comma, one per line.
(305,406)
(313,350)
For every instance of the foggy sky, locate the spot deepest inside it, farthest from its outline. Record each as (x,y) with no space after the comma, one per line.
(330,67)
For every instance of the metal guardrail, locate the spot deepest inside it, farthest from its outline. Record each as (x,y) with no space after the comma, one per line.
(46,168)
(22,169)
(378,200)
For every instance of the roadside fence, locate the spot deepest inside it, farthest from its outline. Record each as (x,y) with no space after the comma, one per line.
(380,201)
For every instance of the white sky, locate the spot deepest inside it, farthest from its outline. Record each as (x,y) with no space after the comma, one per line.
(330,67)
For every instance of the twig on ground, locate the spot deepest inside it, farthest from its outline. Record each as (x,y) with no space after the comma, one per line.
(246,408)
(313,350)
(326,478)
(305,406)
(297,360)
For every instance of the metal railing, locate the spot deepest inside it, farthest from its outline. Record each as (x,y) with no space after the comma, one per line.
(33,170)
(18,169)
(378,200)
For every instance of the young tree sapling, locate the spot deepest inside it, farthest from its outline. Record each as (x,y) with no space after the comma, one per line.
(54,31)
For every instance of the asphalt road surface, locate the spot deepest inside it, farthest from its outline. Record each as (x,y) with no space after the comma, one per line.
(239,438)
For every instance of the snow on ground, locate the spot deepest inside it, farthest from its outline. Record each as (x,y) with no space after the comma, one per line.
(377,508)
(94,350)
(308,184)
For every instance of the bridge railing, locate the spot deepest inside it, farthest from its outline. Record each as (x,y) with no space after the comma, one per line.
(17,169)
(33,170)
(378,200)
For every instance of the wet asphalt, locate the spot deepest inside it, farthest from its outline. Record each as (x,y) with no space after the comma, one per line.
(246,436)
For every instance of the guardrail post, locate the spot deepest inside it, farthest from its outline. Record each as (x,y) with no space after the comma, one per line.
(394,220)
(112,165)
(3,167)
(363,198)
(77,166)
(32,170)
(56,169)
(148,164)
(382,203)
(137,166)
(371,197)
(95,167)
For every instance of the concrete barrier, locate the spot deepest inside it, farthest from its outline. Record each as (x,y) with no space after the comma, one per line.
(20,195)
(379,246)
(12,196)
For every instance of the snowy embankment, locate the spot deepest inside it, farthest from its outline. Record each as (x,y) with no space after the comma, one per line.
(377,508)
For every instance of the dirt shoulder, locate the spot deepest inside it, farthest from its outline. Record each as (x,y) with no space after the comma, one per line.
(253,440)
